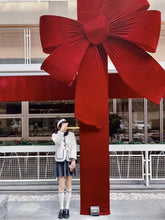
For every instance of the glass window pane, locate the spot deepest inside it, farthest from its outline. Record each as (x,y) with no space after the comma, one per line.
(37,55)
(119,122)
(122,112)
(10,127)
(138,120)
(50,107)
(46,126)
(10,107)
(153,123)
(12,45)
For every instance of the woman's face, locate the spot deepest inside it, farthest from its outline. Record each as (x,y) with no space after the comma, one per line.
(64,126)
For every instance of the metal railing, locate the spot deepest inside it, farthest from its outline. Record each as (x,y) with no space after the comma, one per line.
(127,167)
(127,163)
(157,166)
(28,167)
(20,45)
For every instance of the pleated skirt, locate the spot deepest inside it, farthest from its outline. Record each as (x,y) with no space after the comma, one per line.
(62,169)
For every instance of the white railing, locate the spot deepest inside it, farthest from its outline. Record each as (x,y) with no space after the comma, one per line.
(149,151)
(142,162)
(157,166)
(126,166)
(29,168)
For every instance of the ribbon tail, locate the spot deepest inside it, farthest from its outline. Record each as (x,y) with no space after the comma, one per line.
(91,90)
(91,108)
(137,68)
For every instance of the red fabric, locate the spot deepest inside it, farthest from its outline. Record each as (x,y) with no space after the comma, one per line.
(141,72)
(118,89)
(137,28)
(97,27)
(92,84)
(66,49)
(31,88)
(124,30)
(94,143)
(27,88)
(87,111)
(94,165)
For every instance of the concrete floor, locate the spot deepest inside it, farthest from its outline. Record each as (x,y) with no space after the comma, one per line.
(124,208)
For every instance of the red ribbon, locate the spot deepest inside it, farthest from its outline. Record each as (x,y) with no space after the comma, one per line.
(125,29)
(97,30)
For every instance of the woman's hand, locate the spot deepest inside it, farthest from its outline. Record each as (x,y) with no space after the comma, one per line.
(64,127)
(73,164)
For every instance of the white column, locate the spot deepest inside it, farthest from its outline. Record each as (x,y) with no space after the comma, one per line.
(161,121)
(145,122)
(25,124)
(114,106)
(130,118)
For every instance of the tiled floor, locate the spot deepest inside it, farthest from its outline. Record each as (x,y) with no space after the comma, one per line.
(131,206)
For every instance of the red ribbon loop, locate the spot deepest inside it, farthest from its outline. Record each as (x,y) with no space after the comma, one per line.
(122,29)
(97,30)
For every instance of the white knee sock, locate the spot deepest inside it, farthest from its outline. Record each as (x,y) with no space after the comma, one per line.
(61,199)
(68,197)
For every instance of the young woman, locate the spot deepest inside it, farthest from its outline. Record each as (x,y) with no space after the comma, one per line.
(65,167)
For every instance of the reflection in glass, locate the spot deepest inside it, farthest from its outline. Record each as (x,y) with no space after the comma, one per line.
(122,112)
(10,127)
(10,107)
(51,107)
(153,123)
(46,126)
(138,120)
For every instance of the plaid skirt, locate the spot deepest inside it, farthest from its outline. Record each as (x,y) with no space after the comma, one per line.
(62,169)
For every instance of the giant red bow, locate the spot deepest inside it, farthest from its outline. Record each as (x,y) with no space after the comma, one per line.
(124,29)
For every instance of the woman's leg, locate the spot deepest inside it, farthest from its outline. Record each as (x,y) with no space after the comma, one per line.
(68,190)
(61,183)
(61,191)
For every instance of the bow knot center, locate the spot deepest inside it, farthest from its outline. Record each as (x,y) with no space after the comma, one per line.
(97,30)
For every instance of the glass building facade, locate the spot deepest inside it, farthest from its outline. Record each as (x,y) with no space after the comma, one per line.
(139,120)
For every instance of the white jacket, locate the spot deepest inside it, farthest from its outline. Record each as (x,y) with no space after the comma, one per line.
(65,147)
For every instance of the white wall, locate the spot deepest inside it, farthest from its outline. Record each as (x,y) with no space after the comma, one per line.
(158,5)
(30,12)
(24,13)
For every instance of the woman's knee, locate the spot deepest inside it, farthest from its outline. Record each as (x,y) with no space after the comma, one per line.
(61,183)
(69,182)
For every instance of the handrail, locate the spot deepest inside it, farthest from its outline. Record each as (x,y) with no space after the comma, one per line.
(146,148)
(51,148)
(137,147)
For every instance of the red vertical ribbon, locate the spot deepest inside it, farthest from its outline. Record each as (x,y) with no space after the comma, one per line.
(92,90)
